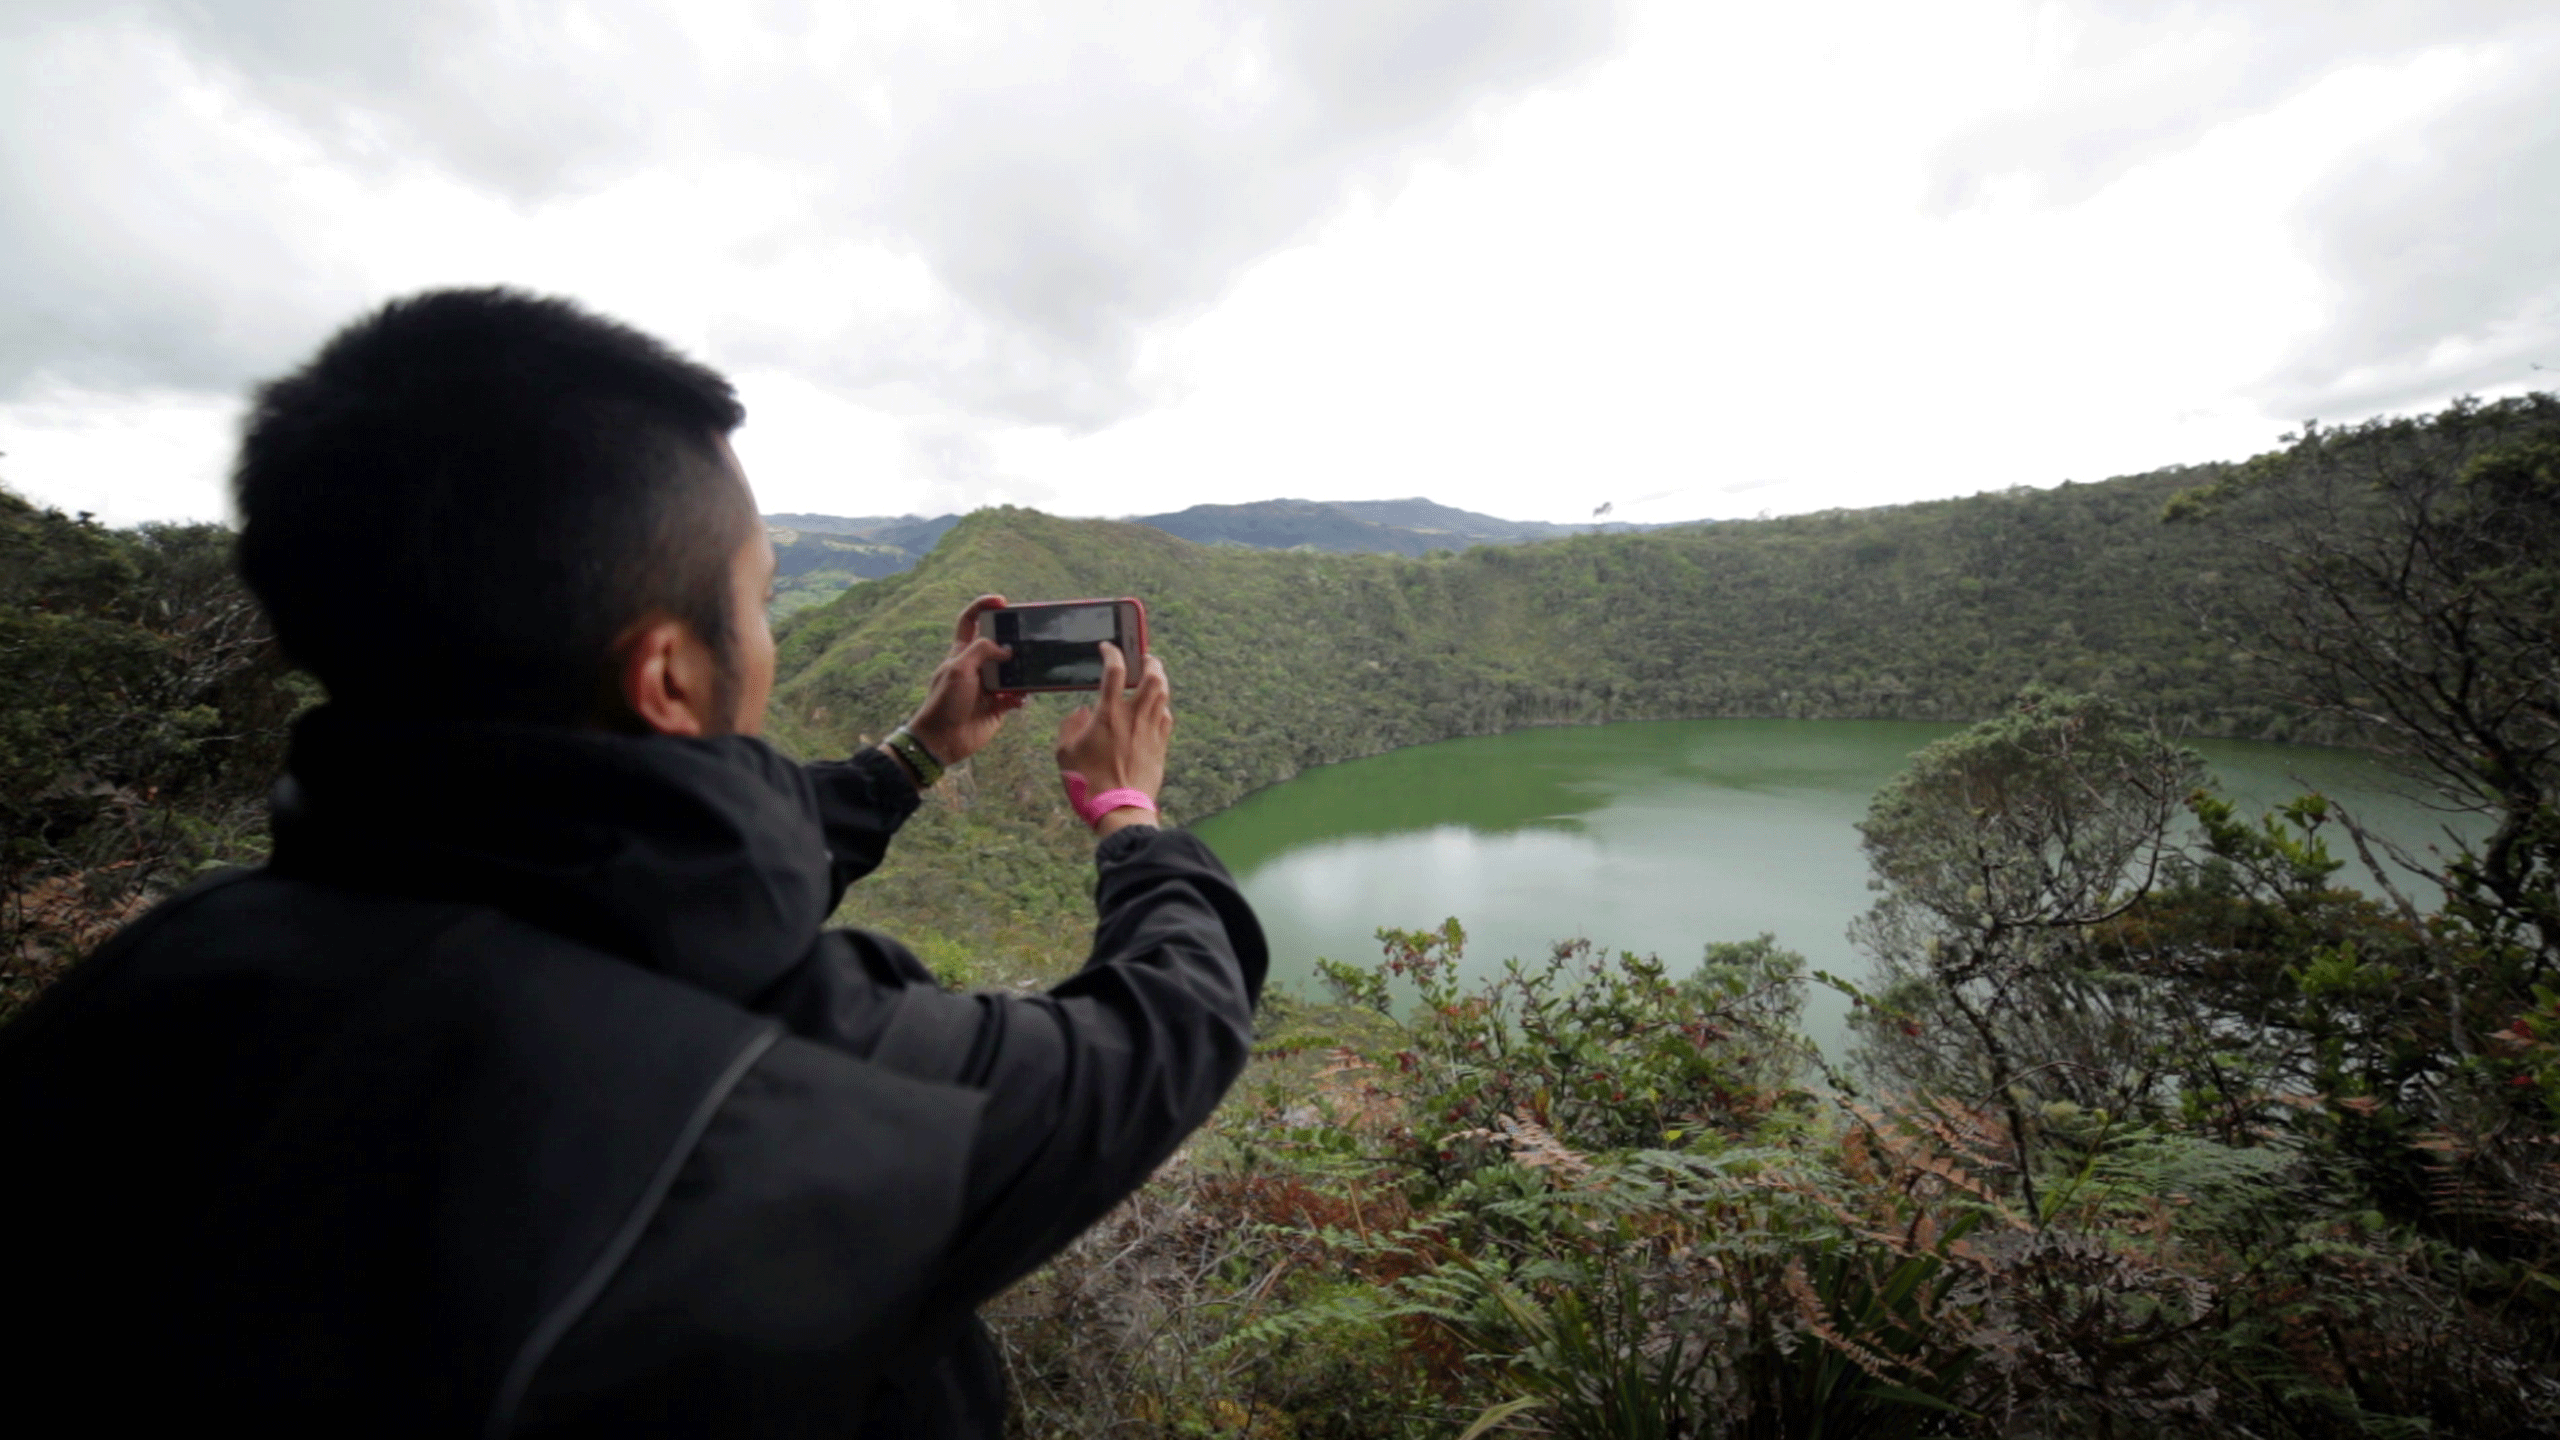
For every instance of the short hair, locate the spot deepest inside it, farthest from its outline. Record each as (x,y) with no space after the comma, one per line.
(468,496)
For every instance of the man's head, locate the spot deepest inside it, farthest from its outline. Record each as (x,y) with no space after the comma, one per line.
(490,505)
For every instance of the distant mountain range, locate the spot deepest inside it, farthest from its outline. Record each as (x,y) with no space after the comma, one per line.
(912,533)
(1387,527)
(823,554)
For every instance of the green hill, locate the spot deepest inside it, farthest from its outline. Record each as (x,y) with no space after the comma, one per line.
(1286,659)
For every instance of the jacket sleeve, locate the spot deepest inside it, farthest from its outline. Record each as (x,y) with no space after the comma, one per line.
(861,803)
(1087,1087)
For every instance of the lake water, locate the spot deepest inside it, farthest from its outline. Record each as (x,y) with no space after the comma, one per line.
(1656,837)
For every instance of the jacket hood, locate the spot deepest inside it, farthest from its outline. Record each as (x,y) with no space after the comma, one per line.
(704,859)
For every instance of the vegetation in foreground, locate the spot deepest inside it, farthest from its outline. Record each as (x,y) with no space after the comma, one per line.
(2137,1137)
(142,718)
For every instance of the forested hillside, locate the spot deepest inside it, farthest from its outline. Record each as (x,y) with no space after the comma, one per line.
(1282,660)
(1285,659)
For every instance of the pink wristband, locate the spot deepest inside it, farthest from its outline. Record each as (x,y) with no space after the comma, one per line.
(1093,807)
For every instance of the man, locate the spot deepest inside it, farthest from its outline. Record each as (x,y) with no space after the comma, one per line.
(521,1091)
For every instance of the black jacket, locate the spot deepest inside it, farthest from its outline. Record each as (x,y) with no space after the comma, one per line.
(522,1093)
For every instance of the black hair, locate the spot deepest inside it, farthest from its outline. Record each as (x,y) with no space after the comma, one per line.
(464,500)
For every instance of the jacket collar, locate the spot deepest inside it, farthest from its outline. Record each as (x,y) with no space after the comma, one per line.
(703,859)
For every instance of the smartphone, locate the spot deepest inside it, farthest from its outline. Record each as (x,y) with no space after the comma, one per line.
(1057,644)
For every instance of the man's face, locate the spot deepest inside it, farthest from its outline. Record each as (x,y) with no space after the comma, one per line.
(751,570)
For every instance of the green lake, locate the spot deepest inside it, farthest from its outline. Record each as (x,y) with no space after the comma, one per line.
(1656,837)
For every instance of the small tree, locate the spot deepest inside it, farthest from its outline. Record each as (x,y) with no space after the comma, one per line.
(2412,598)
(143,708)
(2415,603)
(1995,850)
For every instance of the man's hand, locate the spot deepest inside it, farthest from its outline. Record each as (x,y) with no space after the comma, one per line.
(1119,740)
(960,715)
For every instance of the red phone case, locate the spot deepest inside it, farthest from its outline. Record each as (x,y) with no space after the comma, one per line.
(1137,661)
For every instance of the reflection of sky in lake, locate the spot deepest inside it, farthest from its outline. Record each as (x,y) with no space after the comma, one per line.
(1656,838)
(1329,891)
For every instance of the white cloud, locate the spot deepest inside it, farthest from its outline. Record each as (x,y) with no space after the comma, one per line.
(2436,235)
(1059,178)
(1520,255)
(122,455)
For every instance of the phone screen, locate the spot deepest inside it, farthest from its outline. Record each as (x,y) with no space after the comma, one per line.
(1055,646)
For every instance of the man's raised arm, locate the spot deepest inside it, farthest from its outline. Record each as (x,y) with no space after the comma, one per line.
(863,800)
(1089,1086)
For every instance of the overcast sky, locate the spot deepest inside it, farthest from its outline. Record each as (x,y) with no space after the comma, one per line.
(1522,256)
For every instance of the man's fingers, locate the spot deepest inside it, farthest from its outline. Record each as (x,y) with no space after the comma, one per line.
(978,652)
(1115,678)
(967,629)
(1073,728)
(1155,691)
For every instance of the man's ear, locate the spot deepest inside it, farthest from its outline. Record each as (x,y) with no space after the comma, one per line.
(668,679)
